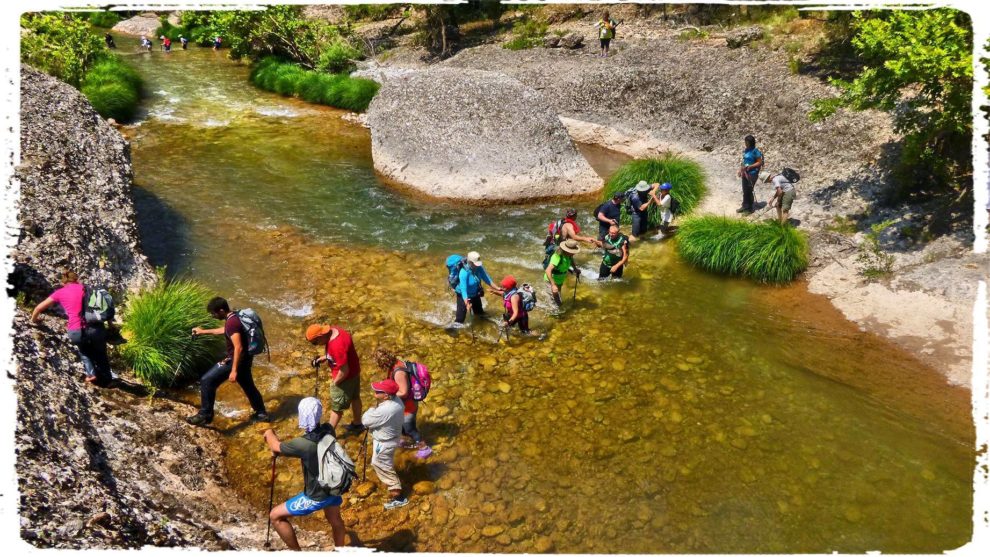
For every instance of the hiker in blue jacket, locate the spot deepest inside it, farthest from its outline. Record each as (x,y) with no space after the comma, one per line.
(468,289)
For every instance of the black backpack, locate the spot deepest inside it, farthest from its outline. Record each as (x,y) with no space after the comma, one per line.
(791,175)
(675,205)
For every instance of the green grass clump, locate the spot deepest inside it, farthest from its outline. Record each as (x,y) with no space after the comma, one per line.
(113,88)
(527,33)
(766,251)
(339,90)
(685,175)
(157,325)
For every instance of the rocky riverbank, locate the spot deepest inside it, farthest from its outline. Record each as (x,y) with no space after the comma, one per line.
(97,468)
(660,93)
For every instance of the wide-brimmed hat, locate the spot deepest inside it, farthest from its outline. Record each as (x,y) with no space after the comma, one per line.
(315,331)
(765,176)
(570,246)
(642,186)
(387,386)
(474,258)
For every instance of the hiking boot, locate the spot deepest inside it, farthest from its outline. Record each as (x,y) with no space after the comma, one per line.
(354,428)
(199,419)
(261,417)
(743,210)
(396,502)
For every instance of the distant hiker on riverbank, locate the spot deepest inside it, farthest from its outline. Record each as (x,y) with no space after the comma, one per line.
(216,43)
(608,214)
(345,372)
(560,231)
(108,38)
(616,246)
(468,291)
(385,423)
(639,205)
(606,32)
(400,372)
(314,496)
(784,193)
(88,334)
(516,312)
(236,367)
(184,41)
(749,172)
(561,262)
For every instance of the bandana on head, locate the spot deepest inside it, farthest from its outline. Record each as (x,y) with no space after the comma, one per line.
(310,412)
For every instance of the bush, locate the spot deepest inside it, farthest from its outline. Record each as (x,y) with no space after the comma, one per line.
(157,325)
(685,175)
(766,251)
(102,19)
(373,12)
(113,88)
(528,34)
(339,90)
(338,57)
(61,44)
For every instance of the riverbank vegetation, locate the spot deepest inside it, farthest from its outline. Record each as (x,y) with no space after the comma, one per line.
(157,325)
(766,251)
(64,45)
(338,90)
(685,175)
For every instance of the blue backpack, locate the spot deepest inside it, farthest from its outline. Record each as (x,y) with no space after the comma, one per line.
(454,265)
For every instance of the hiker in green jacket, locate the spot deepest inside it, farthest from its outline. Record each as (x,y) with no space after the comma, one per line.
(616,246)
(561,262)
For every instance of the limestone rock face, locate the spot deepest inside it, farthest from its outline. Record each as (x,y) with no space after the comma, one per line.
(141,24)
(475,136)
(744,36)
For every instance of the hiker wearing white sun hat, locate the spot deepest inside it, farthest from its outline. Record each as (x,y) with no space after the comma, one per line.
(469,291)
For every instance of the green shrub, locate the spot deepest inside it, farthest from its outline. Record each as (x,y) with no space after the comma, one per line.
(339,90)
(102,19)
(338,57)
(528,33)
(373,12)
(113,88)
(113,70)
(157,325)
(685,175)
(765,251)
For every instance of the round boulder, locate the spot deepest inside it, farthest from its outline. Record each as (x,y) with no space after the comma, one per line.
(143,24)
(475,136)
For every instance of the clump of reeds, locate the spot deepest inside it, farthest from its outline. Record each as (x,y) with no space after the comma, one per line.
(685,175)
(339,90)
(765,251)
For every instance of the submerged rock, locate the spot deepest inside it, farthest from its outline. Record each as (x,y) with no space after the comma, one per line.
(475,136)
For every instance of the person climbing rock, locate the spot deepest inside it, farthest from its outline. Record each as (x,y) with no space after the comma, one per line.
(313,496)
(783,196)
(608,214)
(396,370)
(89,338)
(749,172)
(606,32)
(561,262)
(616,246)
(236,367)
(639,204)
(345,372)
(468,289)
(515,311)
(560,231)
(385,423)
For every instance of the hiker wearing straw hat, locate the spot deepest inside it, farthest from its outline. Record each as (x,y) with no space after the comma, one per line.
(639,206)
(561,262)
(314,496)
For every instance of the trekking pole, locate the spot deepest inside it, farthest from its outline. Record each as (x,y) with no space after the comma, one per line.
(316,384)
(364,457)
(271,501)
(577,279)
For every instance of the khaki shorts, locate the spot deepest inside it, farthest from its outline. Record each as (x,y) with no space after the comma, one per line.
(341,395)
(787,200)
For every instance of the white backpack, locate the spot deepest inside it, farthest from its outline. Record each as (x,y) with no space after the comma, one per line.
(337,470)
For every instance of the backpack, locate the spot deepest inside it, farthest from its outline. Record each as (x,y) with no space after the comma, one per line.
(420,380)
(553,233)
(97,305)
(791,175)
(632,200)
(256,341)
(454,265)
(675,205)
(528,297)
(337,470)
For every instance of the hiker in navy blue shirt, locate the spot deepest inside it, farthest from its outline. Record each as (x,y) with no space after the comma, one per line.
(608,214)
(749,171)
(468,289)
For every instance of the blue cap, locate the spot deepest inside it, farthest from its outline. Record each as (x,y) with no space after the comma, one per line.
(666,186)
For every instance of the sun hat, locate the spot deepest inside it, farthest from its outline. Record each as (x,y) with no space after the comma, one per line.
(666,186)
(571,247)
(642,186)
(474,257)
(509,282)
(387,386)
(314,331)
(765,176)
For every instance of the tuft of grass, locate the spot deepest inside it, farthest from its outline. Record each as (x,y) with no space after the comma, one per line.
(767,252)
(339,90)
(527,33)
(877,263)
(157,325)
(685,175)
(113,88)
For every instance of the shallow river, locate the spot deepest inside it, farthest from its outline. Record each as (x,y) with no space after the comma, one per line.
(672,411)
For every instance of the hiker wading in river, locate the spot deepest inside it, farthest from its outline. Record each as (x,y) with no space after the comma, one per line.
(385,423)
(608,214)
(313,496)
(89,337)
(345,372)
(616,246)
(560,264)
(639,204)
(515,310)
(469,291)
(397,370)
(749,172)
(236,367)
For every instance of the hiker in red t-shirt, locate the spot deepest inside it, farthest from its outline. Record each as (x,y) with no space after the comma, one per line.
(345,372)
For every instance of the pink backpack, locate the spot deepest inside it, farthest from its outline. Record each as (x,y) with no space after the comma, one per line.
(419,380)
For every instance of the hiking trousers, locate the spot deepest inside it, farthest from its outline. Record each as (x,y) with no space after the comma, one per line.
(218,374)
(92,345)
(749,200)
(383,462)
(409,420)
(462,308)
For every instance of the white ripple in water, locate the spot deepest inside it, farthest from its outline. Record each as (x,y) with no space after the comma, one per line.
(212,123)
(284,112)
